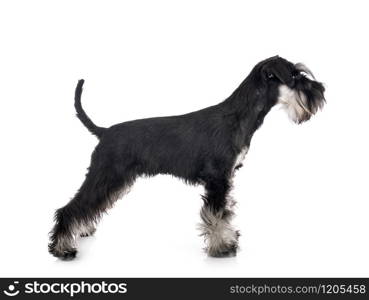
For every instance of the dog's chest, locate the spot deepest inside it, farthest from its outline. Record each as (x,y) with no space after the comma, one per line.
(240,157)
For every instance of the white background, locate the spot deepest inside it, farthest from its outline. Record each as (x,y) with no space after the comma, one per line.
(303,193)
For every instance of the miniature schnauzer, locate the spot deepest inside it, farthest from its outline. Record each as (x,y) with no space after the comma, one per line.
(202,147)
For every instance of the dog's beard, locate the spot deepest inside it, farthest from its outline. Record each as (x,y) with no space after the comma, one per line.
(301,103)
(294,103)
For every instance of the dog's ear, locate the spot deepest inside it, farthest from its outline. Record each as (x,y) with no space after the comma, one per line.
(278,70)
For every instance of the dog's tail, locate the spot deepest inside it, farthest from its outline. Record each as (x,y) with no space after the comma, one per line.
(96,130)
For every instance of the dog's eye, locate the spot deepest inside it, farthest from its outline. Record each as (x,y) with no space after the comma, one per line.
(297,75)
(270,75)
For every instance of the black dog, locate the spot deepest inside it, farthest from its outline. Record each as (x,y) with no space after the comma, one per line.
(203,147)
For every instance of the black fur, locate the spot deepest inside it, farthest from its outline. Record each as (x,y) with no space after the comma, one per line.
(200,147)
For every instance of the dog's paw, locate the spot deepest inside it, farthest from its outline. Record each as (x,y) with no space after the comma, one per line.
(69,254)
(66,254)
(228,251)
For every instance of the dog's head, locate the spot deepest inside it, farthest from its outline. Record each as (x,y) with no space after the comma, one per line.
(291,85)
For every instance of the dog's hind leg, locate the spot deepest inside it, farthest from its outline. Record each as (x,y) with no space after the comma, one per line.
(99,191)
(220,237)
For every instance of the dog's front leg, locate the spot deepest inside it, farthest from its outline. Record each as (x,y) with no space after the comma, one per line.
(220,237)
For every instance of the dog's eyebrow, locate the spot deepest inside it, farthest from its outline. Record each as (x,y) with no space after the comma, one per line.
(301,67)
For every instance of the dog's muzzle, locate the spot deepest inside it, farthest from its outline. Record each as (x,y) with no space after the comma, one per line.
(303,99)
